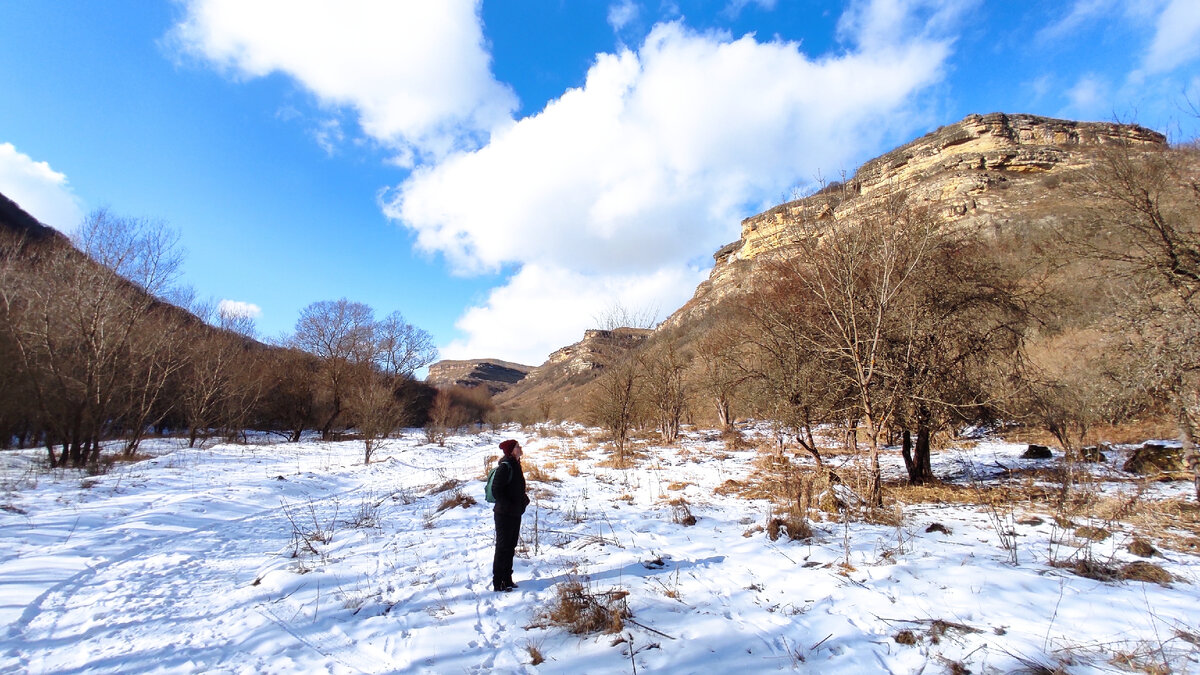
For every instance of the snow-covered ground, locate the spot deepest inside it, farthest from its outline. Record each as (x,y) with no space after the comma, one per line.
(187,562)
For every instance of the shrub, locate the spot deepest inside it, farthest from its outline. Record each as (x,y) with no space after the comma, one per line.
(456,498)
(582,612)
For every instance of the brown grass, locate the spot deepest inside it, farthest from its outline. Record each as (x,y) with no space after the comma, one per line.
(536,473)
(536,657)
(581,612)
(681,513)
(1130,432)
(450,484)
(457,498)
(791,525)
(1147,572)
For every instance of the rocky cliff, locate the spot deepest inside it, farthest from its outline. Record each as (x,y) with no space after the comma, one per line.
(557,380)
(595,349)
(494,374)
(996,169)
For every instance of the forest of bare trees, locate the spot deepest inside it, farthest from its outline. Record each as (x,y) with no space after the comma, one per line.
(92,350)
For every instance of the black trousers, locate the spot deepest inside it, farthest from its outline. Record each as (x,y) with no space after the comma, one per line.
(508,530)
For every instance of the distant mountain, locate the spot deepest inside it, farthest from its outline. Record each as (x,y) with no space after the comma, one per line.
(552,385)
(494,374)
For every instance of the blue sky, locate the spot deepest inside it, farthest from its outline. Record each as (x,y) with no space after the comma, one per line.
(505,172)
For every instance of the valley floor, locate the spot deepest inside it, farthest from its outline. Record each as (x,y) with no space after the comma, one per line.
(195,560)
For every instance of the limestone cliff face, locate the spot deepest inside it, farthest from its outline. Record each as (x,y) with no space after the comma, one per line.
(596,349)
(994,168)
(561,377)
(494,374)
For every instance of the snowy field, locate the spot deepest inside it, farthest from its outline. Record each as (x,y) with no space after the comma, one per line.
(188,562)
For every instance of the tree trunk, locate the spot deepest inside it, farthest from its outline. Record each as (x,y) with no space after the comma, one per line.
(724,414)
(1187,436)
(920,470)
(906,451)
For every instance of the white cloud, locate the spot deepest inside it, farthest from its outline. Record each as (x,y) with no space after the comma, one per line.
(1082,13)
(329,135)
(621,14)
(1090,96)
(543,308)
(238,309)
(416,72)
(734,7)
(882,25)
(38,189)
(651,164)
(1176,37)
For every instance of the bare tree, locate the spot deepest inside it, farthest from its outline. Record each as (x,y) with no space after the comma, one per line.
(854,275)
(612,403)
(617,315)
(666,389)
(1141,219)
(958,336)
(721,354)
(790,383)
(342,334)
(85,338)
(401,348)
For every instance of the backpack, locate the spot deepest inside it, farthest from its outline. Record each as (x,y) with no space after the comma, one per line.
(487,491)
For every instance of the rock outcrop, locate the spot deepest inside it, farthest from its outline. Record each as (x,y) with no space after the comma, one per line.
(995,169)
(494,374)
(596,349)
(555,383)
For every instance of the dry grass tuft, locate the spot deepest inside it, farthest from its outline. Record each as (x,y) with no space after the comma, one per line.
(457,498)
(1089,569)
(449,484)
(1143,548)
(734,440)
(791,525)
(681,514)
(1092,533)
(535,653)
(572,469)
(906,637)
(582,612)
(1147,572)
(937,493)
(682,485)
(536,473)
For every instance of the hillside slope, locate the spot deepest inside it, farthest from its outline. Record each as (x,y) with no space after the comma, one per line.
(998,170)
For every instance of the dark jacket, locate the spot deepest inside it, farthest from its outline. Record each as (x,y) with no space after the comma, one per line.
(508,487)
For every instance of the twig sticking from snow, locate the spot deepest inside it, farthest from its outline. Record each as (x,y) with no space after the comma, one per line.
(652,630)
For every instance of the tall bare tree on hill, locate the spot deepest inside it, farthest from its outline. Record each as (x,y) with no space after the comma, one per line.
(1142,220)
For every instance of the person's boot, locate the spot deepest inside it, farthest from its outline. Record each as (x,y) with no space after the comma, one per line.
(501,586)
(511,583)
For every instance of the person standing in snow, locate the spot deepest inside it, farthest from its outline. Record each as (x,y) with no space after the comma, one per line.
(508,488)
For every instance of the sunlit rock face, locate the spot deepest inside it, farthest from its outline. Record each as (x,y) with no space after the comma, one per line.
(494,374)
(997,169)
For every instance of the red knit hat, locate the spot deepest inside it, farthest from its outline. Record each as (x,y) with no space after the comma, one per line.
(508,446)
